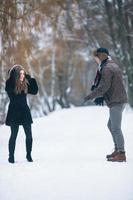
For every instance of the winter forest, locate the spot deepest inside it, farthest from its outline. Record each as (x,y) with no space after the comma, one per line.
(54,41)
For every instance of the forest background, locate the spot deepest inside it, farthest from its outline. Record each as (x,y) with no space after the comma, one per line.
(54,41)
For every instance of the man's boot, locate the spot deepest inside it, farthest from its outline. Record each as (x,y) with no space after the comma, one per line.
(112,154)
(119,157)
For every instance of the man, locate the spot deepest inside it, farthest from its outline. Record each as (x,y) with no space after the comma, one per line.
(110,87)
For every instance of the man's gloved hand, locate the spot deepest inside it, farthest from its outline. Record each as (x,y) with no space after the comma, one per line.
(99,101)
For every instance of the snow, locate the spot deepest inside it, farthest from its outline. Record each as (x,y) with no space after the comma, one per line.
(69,153)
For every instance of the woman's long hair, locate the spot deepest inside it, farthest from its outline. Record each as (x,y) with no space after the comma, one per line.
(21,86)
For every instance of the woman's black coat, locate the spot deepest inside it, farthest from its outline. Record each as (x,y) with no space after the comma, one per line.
(18,109)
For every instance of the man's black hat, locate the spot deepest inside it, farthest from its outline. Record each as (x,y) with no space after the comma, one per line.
(102,50)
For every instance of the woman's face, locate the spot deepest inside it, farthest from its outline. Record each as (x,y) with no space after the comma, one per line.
(21,75)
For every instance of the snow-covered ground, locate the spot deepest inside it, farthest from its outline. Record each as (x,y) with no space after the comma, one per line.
(69,153)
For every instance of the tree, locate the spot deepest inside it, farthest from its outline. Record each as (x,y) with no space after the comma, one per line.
(54,40)
(119,18)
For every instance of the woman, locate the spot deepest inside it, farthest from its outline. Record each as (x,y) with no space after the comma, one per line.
(17,87)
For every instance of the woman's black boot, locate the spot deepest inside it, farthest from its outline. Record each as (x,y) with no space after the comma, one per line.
(29,158)
(11,159)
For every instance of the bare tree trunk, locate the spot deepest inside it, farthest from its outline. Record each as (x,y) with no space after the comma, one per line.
(120,26)
(53,77)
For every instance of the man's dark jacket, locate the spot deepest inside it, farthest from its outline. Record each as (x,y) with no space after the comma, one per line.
(111,85)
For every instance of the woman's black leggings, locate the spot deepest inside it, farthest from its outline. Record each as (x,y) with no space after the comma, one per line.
(14,133)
